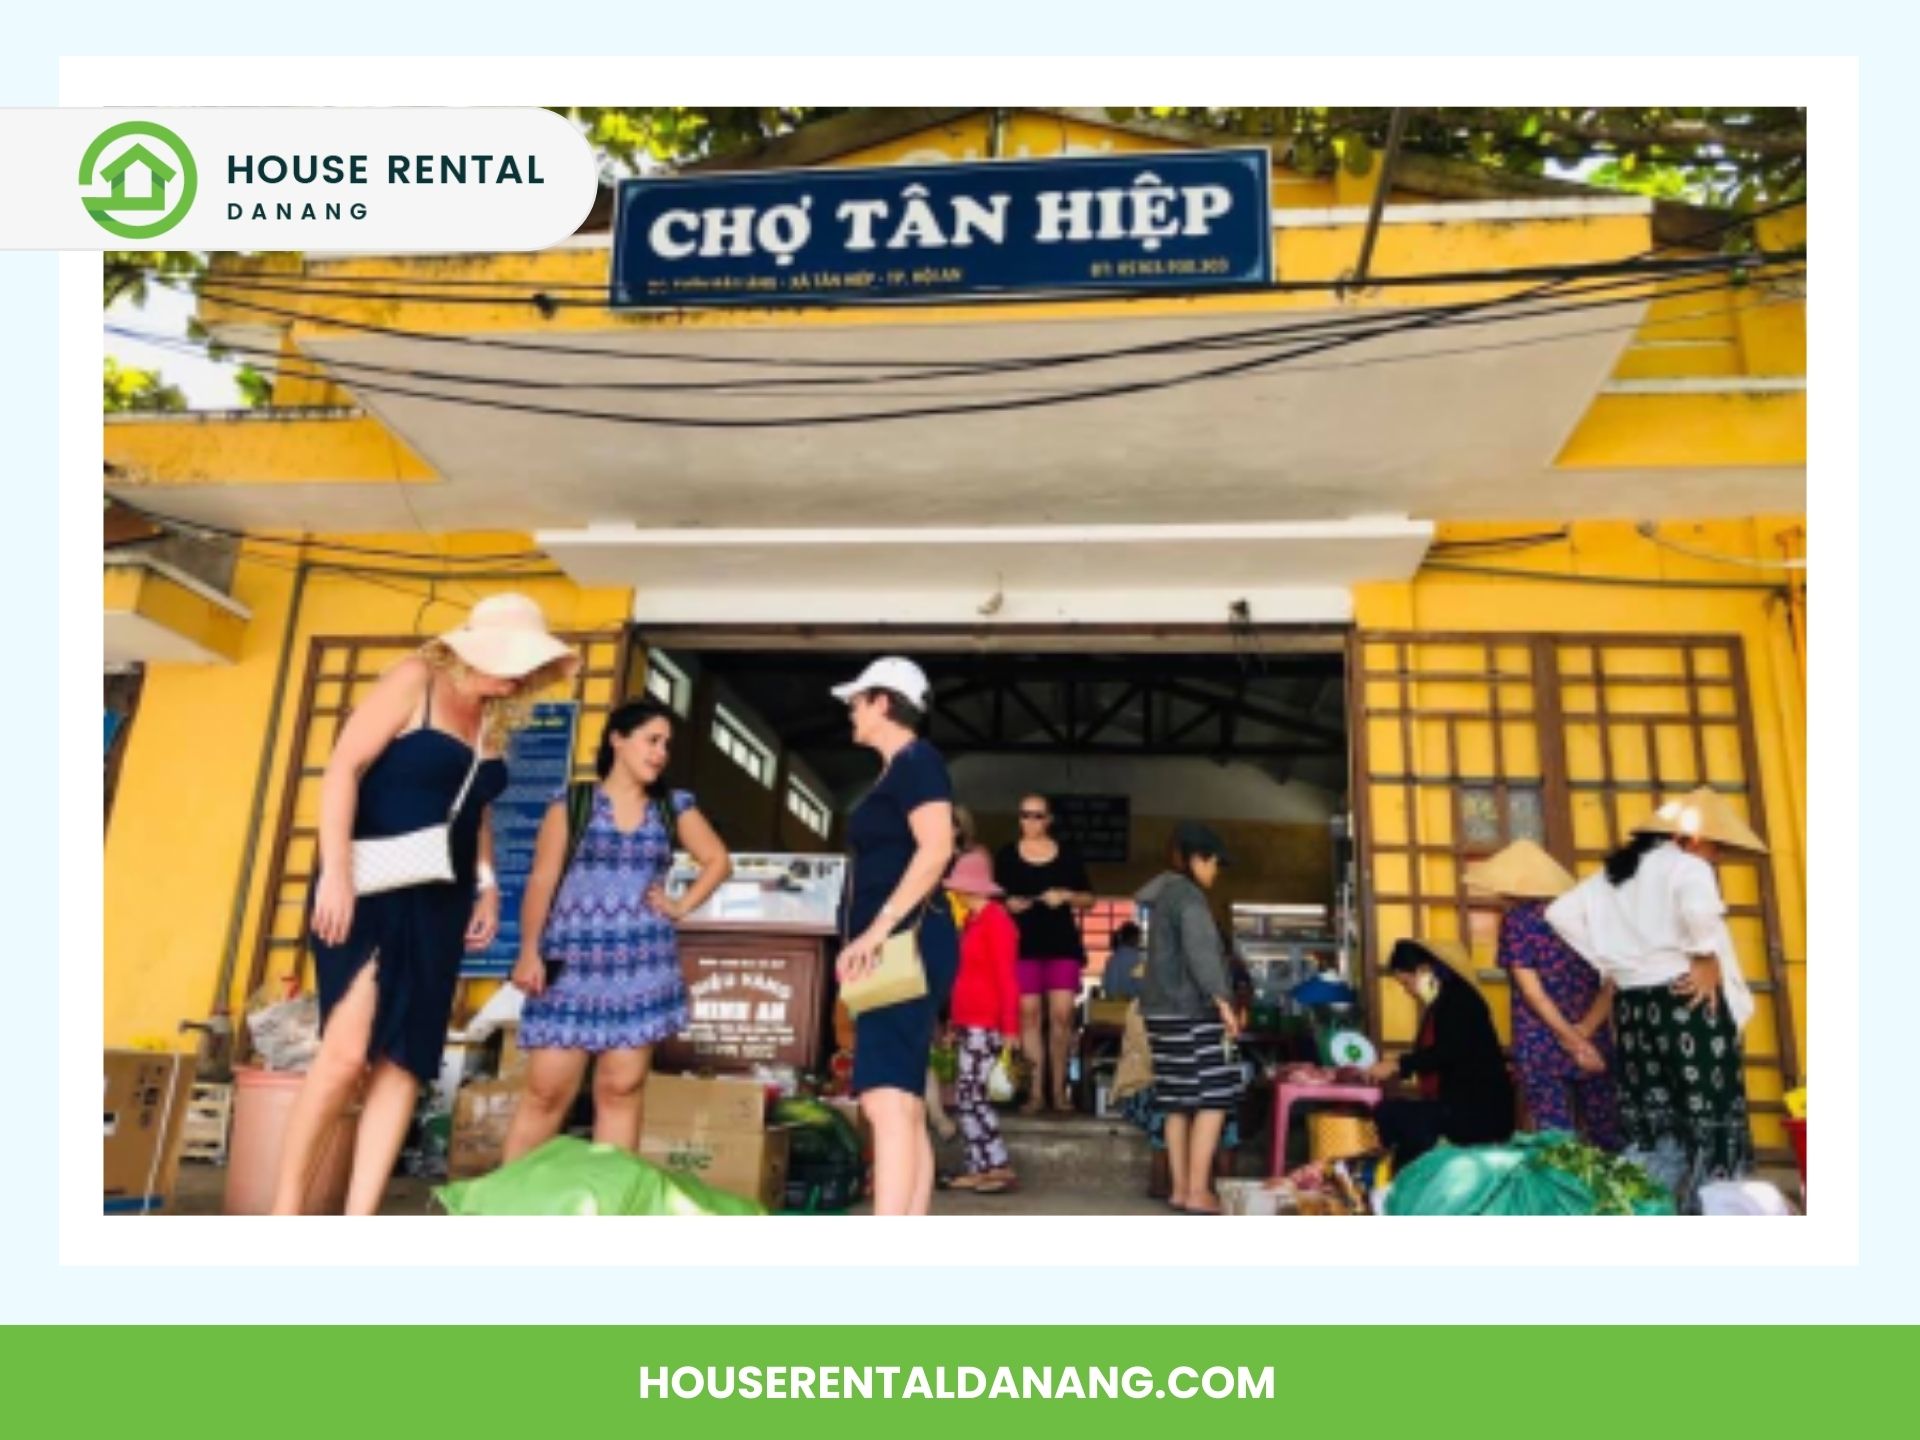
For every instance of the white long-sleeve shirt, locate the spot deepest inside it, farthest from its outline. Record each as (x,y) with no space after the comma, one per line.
(1643,933)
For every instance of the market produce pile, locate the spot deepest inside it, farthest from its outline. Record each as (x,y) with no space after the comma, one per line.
(1551,1173)
(825,1167)
(568,1176)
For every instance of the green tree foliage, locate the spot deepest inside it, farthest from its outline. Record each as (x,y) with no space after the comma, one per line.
(126,274)
(255,387)
(628,139)
(127,388)
(1732,158)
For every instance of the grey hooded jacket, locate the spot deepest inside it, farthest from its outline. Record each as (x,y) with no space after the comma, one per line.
(1186,972)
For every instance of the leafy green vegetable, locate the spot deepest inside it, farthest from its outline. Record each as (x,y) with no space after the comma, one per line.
(1619,1186)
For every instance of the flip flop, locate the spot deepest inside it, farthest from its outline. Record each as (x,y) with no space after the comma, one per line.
(996,1187)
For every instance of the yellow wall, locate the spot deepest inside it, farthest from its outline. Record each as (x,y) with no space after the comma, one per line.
(1438,601)
(174,853)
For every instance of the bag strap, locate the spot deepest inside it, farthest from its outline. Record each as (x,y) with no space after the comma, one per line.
(669,814)
(580,794)
(479,743)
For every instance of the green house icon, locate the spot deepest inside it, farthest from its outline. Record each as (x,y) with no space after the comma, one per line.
(153,203)
(159,175)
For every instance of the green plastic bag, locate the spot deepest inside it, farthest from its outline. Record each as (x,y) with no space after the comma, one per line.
(1529,1175)
(1485,1180)
(567,1176)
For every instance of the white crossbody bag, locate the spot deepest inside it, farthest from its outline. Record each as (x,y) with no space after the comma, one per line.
(419,857)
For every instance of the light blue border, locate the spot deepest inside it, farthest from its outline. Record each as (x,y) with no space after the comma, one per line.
(1883,1287)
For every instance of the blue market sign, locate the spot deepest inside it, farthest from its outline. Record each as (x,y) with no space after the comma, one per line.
(539,765)
(1169,220)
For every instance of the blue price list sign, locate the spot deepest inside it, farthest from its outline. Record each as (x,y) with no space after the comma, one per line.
(539,764)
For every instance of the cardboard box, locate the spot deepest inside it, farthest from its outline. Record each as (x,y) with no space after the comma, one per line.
(481,1114)
(691,1103)
(749,1163)
(146,1100)
(715,1130)
(512,1058)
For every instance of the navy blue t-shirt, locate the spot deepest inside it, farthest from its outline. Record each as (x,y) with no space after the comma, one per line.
(879,834)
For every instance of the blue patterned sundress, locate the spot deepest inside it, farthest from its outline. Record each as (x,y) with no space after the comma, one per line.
(619,984)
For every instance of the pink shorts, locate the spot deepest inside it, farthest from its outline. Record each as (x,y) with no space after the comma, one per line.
(1043,977)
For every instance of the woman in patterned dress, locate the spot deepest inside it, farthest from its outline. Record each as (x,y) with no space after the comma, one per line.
(599,957)
(1562,1038)
(1653,922)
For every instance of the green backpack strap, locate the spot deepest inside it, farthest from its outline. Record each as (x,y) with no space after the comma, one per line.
(579,815)
(669,815)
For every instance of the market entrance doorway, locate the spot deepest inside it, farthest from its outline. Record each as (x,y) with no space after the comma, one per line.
(1126,734)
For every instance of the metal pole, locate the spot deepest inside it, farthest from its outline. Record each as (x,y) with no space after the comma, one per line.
(1396,131)
(217,1041)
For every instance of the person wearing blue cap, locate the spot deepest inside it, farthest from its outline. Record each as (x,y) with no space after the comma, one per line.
(1187,1002)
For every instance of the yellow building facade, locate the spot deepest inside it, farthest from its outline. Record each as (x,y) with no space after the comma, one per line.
(1606,602)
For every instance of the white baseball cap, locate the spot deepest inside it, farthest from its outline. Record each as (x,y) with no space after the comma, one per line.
(902,676)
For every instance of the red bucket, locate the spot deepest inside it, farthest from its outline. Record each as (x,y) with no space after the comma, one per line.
(1797,1135)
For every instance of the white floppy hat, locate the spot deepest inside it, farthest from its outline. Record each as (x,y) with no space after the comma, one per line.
(901,676)
(506,636)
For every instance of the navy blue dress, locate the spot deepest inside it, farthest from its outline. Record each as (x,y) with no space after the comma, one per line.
(891,1045)
(415,936)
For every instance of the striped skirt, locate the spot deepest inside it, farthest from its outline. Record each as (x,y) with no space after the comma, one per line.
(1193,1066)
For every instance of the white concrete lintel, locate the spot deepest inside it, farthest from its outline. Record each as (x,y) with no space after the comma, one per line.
(1282,572)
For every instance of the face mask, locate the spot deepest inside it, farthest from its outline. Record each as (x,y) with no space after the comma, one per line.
(1427,985)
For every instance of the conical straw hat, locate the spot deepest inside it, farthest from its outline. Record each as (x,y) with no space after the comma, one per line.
(1522,871)
(1451,953)
(1706,815)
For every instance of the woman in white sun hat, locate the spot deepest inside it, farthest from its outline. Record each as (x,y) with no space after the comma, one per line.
(901,839)
(1653,922)
(422,751)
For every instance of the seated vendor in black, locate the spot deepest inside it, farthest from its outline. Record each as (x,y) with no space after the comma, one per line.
(1466,1094)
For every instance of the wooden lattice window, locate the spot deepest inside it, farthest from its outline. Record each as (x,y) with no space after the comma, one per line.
(1464,742)
(341,671)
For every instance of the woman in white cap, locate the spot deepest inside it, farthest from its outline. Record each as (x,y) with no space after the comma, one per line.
(1653,922)
(419,758)
(901,839)
(1562,1038)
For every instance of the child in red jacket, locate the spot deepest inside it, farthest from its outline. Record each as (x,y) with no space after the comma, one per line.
(986,1012)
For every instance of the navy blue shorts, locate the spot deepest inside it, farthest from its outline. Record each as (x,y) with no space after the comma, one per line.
(892,1045)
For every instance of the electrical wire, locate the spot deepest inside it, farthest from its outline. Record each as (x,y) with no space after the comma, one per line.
(1502,572)
(1649,530)
(1015,404)
(1225,341)
(198,528)
(447,282)
(1504,542)
(225,294)
(338,287)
